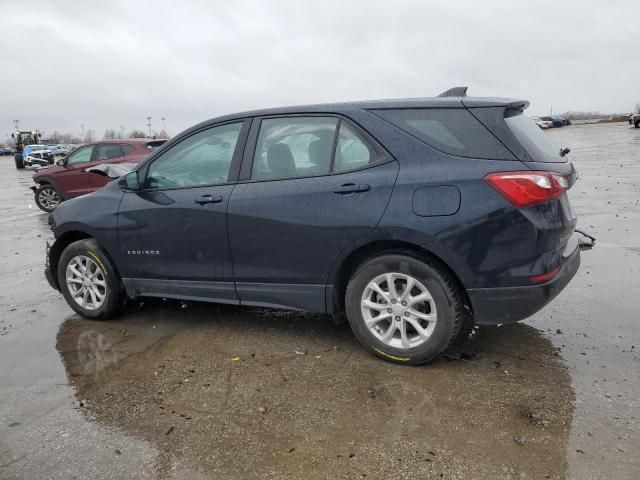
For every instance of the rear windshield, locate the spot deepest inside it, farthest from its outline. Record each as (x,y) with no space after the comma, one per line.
(451,130)
(532,138)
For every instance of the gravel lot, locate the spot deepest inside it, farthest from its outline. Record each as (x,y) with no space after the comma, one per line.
(207,391)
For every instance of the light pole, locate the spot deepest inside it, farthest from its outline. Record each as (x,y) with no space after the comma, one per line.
(149,125)
(82,126)
(121,131)
(16,124)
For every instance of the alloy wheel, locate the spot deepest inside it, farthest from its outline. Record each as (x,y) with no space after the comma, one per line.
(399,310)
(86,282)
(48,198)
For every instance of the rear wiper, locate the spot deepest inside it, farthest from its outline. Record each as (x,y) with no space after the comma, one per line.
(564,151)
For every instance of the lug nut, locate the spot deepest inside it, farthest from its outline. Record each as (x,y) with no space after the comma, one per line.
(406,314)
(393,300)
(389,310)
(397,319)
(404,304)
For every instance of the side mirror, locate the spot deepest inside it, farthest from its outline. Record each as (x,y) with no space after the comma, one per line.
(564,151)
(60,162)
(130,181)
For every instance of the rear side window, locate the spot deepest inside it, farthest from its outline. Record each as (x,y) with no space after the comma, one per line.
(126,148)
(109,151)
(450,130)
(534,140)
(294,147)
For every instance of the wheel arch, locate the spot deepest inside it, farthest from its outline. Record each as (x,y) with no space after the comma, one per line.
(59,246)
(340,279)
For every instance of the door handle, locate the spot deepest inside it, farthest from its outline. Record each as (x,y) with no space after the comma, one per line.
(205,199)
(349,188)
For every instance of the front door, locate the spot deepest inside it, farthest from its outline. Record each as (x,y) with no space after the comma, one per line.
(173,232)
(302,205)
(73,181)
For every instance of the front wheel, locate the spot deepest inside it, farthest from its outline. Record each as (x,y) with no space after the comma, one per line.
(404,309)
(637,124)
(17,157)
(89,281)
(47,197)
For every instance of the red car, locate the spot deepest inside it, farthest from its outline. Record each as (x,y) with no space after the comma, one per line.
(68,178)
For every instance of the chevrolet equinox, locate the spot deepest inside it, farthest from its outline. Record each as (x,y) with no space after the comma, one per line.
(417,218)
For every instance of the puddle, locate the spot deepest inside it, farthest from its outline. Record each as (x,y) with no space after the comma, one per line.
(167,375)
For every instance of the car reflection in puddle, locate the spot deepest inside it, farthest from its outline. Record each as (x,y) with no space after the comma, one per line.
(221,389)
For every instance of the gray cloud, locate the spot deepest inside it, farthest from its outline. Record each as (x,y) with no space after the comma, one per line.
(107,64)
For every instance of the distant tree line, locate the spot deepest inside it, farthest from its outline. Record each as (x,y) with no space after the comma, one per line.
(112,134)
(591,115)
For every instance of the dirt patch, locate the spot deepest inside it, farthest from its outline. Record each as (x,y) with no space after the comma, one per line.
(221,390)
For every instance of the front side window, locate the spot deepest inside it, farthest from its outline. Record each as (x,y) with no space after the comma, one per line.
(351,150)
(294,147)
(109,151)
(201,159)
(81,155)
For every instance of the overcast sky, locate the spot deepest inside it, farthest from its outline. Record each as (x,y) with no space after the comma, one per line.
(65,63)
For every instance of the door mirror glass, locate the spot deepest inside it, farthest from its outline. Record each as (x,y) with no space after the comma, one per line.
(60,162)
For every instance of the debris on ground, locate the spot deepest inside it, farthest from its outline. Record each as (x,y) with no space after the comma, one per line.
(301,351)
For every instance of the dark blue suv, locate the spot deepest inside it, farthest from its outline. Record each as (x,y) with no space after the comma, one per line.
(417,218)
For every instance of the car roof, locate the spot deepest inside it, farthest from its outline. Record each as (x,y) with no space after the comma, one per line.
(126,140)
(401,103)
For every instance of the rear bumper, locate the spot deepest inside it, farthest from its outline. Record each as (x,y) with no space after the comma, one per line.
(493,306)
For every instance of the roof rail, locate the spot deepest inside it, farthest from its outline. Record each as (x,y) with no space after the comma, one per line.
(455,92)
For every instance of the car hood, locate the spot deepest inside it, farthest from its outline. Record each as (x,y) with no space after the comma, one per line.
(44,171)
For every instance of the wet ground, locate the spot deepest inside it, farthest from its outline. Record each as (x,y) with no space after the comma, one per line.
(206,391)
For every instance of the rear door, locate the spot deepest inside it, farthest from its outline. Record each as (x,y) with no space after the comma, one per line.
(73,181)
(106,153)
(313,185)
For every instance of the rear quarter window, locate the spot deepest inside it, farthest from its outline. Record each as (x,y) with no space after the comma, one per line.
(532,138)
(450,130)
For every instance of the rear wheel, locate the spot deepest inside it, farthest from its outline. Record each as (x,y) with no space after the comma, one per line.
(89,281)
(404,309)
(47,197)
(637,124)
(17,157)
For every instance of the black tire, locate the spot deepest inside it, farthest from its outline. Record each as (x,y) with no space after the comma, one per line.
(17,157)
(115,296)
(446,296)
(637,124)
(43,203)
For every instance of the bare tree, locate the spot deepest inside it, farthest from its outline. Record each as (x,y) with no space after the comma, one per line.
(89,135)
(110,134)
(136,134)
(162,134)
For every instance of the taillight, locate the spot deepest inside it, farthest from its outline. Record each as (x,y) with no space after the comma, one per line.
(522,189)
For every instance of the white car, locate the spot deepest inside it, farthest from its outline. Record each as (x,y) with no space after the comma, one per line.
(544,124)
(39,158)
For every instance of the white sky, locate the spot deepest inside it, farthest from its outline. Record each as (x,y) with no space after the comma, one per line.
(65,63)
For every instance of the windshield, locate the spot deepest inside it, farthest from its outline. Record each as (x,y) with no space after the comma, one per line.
(26,138)
(534,140)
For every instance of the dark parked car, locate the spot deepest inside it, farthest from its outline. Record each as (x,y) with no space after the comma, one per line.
(557,121)
(417,218)
(69,177)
